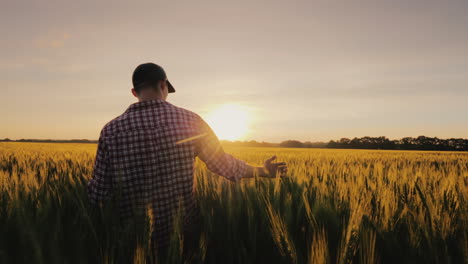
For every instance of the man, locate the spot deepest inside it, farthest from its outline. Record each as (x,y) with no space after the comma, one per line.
(148,153)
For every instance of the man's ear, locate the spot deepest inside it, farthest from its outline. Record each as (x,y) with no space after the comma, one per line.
(134,92)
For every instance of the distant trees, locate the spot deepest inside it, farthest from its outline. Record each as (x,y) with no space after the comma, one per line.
(251,143)
(284,144)
(407,143)
(309,144)
(299,144)
(53,140)
(363,143)
(291,144)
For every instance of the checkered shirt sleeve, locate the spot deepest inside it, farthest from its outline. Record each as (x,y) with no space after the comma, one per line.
(210,151)
(101,182)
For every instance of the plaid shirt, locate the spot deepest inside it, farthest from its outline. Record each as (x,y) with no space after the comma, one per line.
(148,154)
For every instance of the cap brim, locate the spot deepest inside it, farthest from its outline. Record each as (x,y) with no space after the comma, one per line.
(170,88)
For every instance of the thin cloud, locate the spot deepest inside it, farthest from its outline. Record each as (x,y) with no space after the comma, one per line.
(52,41)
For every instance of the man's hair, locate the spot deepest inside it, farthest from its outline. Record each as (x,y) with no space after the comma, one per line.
(148,86)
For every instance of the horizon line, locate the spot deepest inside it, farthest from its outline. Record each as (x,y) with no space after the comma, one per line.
(233,141)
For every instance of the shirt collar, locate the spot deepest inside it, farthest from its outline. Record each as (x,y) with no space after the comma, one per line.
(146,104)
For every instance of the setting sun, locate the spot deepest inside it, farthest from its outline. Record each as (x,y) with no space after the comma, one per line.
(229,122)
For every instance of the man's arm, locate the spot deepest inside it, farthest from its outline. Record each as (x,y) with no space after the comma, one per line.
(210,151)
(100,183)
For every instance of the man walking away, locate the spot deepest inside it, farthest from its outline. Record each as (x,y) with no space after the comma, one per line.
(148,154)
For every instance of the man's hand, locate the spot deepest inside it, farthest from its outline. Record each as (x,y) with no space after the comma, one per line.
(272,170)
(269,169)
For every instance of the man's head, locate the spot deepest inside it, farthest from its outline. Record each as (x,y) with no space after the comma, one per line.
(150,82)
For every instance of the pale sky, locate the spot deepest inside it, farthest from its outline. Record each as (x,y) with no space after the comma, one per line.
(305,70)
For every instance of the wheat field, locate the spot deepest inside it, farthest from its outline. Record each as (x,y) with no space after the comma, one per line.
(335,206)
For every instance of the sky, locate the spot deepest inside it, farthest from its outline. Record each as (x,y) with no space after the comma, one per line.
(305,70)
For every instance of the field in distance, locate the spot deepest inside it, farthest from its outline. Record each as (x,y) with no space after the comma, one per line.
(335,206)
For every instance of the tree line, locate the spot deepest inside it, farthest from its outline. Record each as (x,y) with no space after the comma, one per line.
(50,140)
(406,143)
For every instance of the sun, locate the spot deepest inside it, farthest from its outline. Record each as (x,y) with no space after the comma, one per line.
(229,122)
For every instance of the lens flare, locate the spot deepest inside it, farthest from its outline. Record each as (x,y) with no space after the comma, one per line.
(229,122)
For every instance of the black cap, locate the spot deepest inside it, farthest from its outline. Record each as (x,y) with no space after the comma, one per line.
(149,73)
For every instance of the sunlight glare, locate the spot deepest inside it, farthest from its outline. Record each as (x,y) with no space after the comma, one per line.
(229,122)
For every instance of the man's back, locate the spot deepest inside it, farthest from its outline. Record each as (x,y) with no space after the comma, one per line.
(148,155)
